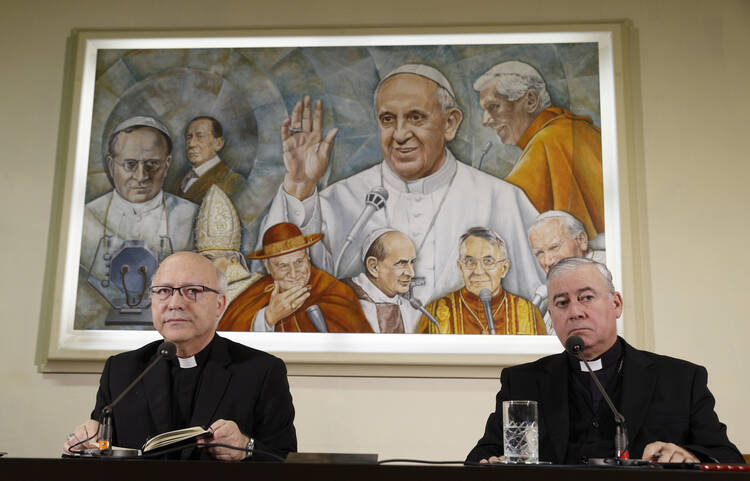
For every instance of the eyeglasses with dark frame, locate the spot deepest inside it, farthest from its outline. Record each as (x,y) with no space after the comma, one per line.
(150,166)
(488,262)
(189,292)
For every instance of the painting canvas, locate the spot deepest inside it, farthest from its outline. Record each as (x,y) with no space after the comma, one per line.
(359,192)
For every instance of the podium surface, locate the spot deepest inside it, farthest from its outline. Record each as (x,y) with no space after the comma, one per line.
(129,469)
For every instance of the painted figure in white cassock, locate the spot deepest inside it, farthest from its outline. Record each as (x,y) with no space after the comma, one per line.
(135,212)
(432,197)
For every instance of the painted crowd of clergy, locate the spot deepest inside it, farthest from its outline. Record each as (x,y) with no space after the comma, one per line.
(446,230)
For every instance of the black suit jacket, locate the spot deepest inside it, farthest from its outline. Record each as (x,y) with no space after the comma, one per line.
(238,383)
(663,399)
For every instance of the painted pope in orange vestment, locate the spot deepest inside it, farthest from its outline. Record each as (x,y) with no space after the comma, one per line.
(483,262)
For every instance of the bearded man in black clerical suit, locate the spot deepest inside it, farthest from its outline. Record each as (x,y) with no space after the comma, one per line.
(241,393)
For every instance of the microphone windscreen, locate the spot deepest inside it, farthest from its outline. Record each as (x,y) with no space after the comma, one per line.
(316,317)
(167,350)
(381,191)
(485,295)
(574,344)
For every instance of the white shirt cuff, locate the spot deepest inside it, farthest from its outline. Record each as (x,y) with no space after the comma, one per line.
(259,322)
(299,212)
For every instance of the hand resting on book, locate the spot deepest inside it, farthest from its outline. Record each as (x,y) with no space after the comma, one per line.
(226,432)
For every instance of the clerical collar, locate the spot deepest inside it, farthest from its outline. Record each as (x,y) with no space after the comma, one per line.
(137,207)
(610,358)
(425,185)
(374,291)
(197,360)
(187,362)
(207,165)
(595,365)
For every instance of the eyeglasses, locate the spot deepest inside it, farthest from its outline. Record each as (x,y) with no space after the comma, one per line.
(131,165)
(488,262)
(190,293)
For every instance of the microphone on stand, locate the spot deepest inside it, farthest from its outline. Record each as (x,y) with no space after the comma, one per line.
(166,350)
(316,317)
(486,297)
(416,304)
(575,346)
(374,201)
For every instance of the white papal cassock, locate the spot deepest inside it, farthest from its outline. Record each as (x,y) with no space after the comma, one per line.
(433,211)
(164,223)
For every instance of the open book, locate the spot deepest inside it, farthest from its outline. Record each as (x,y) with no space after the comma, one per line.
(173,437)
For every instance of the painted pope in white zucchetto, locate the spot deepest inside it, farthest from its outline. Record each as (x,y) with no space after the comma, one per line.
(218,236)
(133,227)
(432,196)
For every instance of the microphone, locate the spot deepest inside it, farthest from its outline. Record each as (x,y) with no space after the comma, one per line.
(486,297)
(416,304)
(166,350)
(575,345)
(316,317)
(486,149)
(540,295)
(374,201)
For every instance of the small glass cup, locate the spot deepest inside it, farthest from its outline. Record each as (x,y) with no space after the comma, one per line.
(520,432)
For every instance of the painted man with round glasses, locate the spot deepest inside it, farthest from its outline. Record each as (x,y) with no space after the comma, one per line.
(135,225)
(483,263)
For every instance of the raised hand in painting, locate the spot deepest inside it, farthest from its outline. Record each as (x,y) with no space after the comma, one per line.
(283,304)
(305,150)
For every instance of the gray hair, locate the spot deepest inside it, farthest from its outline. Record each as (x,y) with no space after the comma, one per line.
(221,279)
(572,225)
(574,263)
(513,79)
(487,234)
(445,96)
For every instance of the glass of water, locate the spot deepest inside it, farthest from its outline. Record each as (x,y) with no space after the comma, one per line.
(520,432)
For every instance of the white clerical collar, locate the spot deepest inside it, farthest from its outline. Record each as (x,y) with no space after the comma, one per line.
(207,165)
(596,365)
(374,291)
(425,185)
(136,207)
(187,362)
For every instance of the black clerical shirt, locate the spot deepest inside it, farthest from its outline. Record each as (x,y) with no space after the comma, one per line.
(185,387)
(592,426)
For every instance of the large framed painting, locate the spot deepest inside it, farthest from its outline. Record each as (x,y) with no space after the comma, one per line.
(373,197)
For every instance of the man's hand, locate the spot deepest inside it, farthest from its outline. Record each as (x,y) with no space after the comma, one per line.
(81,433)
(667,453)
(283,304)
(305,150)
(493,460)
(226,432)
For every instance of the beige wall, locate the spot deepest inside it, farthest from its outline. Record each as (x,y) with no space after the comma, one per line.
(689,105)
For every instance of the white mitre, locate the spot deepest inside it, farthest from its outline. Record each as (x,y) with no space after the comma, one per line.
(217,226)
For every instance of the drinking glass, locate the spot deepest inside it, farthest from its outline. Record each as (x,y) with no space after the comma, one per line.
(520,432)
